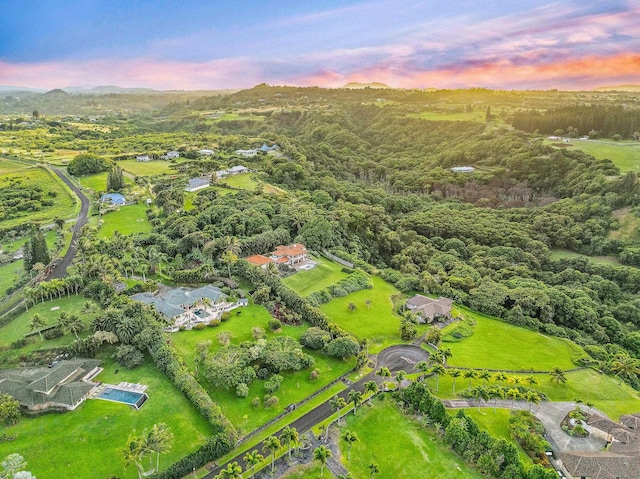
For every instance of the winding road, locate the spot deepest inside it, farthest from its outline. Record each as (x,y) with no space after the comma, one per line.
(60,270)
(401,357)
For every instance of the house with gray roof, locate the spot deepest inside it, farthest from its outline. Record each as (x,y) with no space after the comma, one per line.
(196,184)
(428,310)
(620,461)
(64,385)
(188,307)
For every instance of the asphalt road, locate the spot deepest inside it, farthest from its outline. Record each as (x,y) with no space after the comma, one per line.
(396,358)
(60,271)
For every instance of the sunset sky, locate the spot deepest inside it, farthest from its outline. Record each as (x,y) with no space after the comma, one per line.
(404,43)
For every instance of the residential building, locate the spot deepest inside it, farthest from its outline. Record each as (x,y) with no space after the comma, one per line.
(463,169)
(428,310)
(63,385)
(196,184)
(170,155)
(206,152)
(113,199)
(291,255)
(143,158)
(188,307)
(246,153)
(238,170)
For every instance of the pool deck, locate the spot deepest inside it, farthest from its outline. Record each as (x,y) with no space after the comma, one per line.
(123,386)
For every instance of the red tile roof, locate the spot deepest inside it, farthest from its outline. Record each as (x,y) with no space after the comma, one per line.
(258,260)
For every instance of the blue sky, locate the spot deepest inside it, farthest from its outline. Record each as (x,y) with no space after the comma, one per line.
(405,43)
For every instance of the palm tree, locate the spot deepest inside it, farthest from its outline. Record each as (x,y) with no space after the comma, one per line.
(36,324)
(532,398)
(349,437)
(134,453)
(355,397)
(454,373)
(271,444)
(500,377)
(423,367)
(481,394)
(513,394)
(469,374)
(337,403)
(383,372)
(371,387)
(232,471)
(63,320)
(531,380)
(321,454)
(348,475)
(400,375)
(625,366)
(373,470)
(558,375)
(159,441)
(228,258)
(252,459)
(485,376)
(436,357)
(446,354)
(515,380)
(75,325)
(438,370)
(289,437)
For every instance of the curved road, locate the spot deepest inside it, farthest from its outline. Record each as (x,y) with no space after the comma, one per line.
(60,270)
(401,357)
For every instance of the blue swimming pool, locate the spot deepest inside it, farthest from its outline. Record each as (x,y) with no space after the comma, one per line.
(134,399)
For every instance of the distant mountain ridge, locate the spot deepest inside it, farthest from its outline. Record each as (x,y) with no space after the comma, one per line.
(358,86)
(629,88)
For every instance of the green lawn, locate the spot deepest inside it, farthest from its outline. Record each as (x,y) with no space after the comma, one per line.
(97,182)
(147,168)
(308,471)
(9,166)
(495,344)
(18,327)
(9,274)
(629,224)
(244,182)
(479,116)
(625,156)
(295,387)
(496,423)
(378,323)
(564,253)
(64,203)
(88,442)
(127,220)
(324,274)
(399,445)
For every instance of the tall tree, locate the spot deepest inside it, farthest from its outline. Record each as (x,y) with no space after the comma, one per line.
(36,324)
(289,438)
(321,454)
(373,470)
(454,373)
(337,403)
(232,471)
(558,375)
(271,444)
(36,250)
(159,440)
(115,178)
(355,397)
(252,459)
(349,437)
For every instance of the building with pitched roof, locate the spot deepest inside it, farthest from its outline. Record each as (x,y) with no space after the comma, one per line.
(291,255)
(427,309)
(188,307)
(64,385)
(196,184)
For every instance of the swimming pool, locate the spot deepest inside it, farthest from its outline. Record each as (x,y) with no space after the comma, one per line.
(133,399)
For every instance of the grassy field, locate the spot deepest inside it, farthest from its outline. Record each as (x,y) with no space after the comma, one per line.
(97,182)
(64,204)
(9,166)
(629,224)
(527,350)
(127,220)
(295,387)
(399,445)
(308,471)
(18,327)
(244,182)
(378,323)
(564,253)
(147,168)
(324,274)
(496,423)
(479,116)
(625,156)
(9,274)
(88,442)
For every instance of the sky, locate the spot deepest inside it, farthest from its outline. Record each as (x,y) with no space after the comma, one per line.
(216,44)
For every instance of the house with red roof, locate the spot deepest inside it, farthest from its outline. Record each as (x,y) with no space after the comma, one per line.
(291,255)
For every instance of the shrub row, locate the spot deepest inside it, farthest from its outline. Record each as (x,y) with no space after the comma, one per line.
(356,281)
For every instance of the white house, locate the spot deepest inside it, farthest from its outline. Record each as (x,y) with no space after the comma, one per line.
(206,152)
(143,158)
(238,170)
(196,184)
(463,169)
(246,153)
(169,155)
